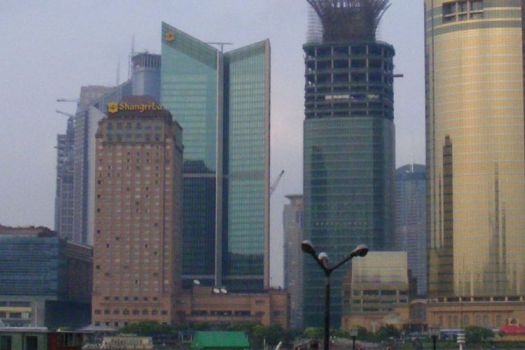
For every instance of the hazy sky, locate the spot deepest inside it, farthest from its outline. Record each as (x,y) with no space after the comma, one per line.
(49,49)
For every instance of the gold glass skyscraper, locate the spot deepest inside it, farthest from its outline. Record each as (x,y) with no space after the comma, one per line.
(475,148)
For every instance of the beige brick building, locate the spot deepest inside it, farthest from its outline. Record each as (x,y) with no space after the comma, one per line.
(137,238)
(211,305)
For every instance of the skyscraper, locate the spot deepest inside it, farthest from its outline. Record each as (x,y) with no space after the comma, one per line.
(293,226)
(74,209)
(138,225)
(410,232)
(222,100)
(348,143)
(64,182)
(475,150)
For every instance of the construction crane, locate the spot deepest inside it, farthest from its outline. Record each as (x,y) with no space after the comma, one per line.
(65,113)
(275,182)
(68,100)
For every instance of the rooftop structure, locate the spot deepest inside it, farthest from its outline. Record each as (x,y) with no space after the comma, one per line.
(345,20)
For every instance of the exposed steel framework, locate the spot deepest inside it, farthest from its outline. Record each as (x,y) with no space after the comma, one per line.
(345,20)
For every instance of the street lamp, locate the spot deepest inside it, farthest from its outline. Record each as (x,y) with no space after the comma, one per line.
(322,260)
(353,334)
(434,333)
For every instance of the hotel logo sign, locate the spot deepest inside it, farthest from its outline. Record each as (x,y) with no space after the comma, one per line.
(169,36)
(114,107)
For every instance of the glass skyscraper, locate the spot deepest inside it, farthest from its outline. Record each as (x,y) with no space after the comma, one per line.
(410,231)
(475,148)
(222,101)
(348,148)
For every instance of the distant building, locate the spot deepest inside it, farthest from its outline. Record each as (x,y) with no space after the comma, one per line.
(410,232)
(349,148)
(74,209)
(145,77)
(138,224)
(293,224)
(202,304)
(44,280)
(486,312)
(222,100)
(375,292)
(64,182)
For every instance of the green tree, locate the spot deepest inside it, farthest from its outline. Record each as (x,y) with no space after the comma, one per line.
(146,327)
(363,333)
(476,335)
(387,332)
(313,333)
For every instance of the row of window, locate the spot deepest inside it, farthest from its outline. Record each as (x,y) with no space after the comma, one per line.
(134,312)
(462,10)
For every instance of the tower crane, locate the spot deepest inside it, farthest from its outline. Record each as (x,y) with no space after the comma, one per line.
(275,182)
(65,113)
(68,100)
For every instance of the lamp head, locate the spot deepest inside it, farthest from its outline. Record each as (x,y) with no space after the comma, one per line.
(308,247)
(323,256)
(360,251)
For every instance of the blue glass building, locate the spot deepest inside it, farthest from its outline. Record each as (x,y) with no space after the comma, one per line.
(222,101)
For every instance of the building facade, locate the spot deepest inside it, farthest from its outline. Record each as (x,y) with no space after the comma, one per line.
(293,226)
(75,203)
(211,305)
(348,148)
(138,224)
(475,149)
(64,182)
(410,231)
(375,292)
(44,279)
(222,101)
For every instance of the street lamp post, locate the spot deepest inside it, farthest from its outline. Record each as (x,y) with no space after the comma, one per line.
(434,333)
(353,334)
(322,260)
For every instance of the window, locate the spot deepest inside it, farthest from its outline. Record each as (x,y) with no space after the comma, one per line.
(31,343)
(462,10)
(6,342)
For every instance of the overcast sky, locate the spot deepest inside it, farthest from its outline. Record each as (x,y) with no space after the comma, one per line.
(49,49)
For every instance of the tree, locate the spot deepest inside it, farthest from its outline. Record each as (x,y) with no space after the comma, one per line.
(387,332)
(476,335)
(146,328)
(313,333)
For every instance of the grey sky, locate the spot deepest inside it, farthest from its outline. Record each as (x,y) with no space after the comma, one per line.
(51,48)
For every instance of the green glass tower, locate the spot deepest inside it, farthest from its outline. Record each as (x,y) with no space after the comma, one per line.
(348,146)
(222,101)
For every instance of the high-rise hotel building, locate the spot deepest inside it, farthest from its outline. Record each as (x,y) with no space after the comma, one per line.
(138,224)
(475,158)
(222,100)
(348,143)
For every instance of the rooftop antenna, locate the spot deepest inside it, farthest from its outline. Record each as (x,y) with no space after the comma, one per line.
(131,54)
(118,71)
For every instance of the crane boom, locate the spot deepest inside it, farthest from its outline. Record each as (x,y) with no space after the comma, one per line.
(275,182)
(65,113)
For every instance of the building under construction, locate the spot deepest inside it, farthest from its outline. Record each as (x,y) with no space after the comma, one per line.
(344,20)
(348,142)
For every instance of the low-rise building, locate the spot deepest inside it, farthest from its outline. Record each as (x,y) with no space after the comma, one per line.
(44,280)
(213,305)
(375,291)
(487,312)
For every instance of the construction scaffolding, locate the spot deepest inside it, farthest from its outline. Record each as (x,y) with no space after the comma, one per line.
(349,20)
